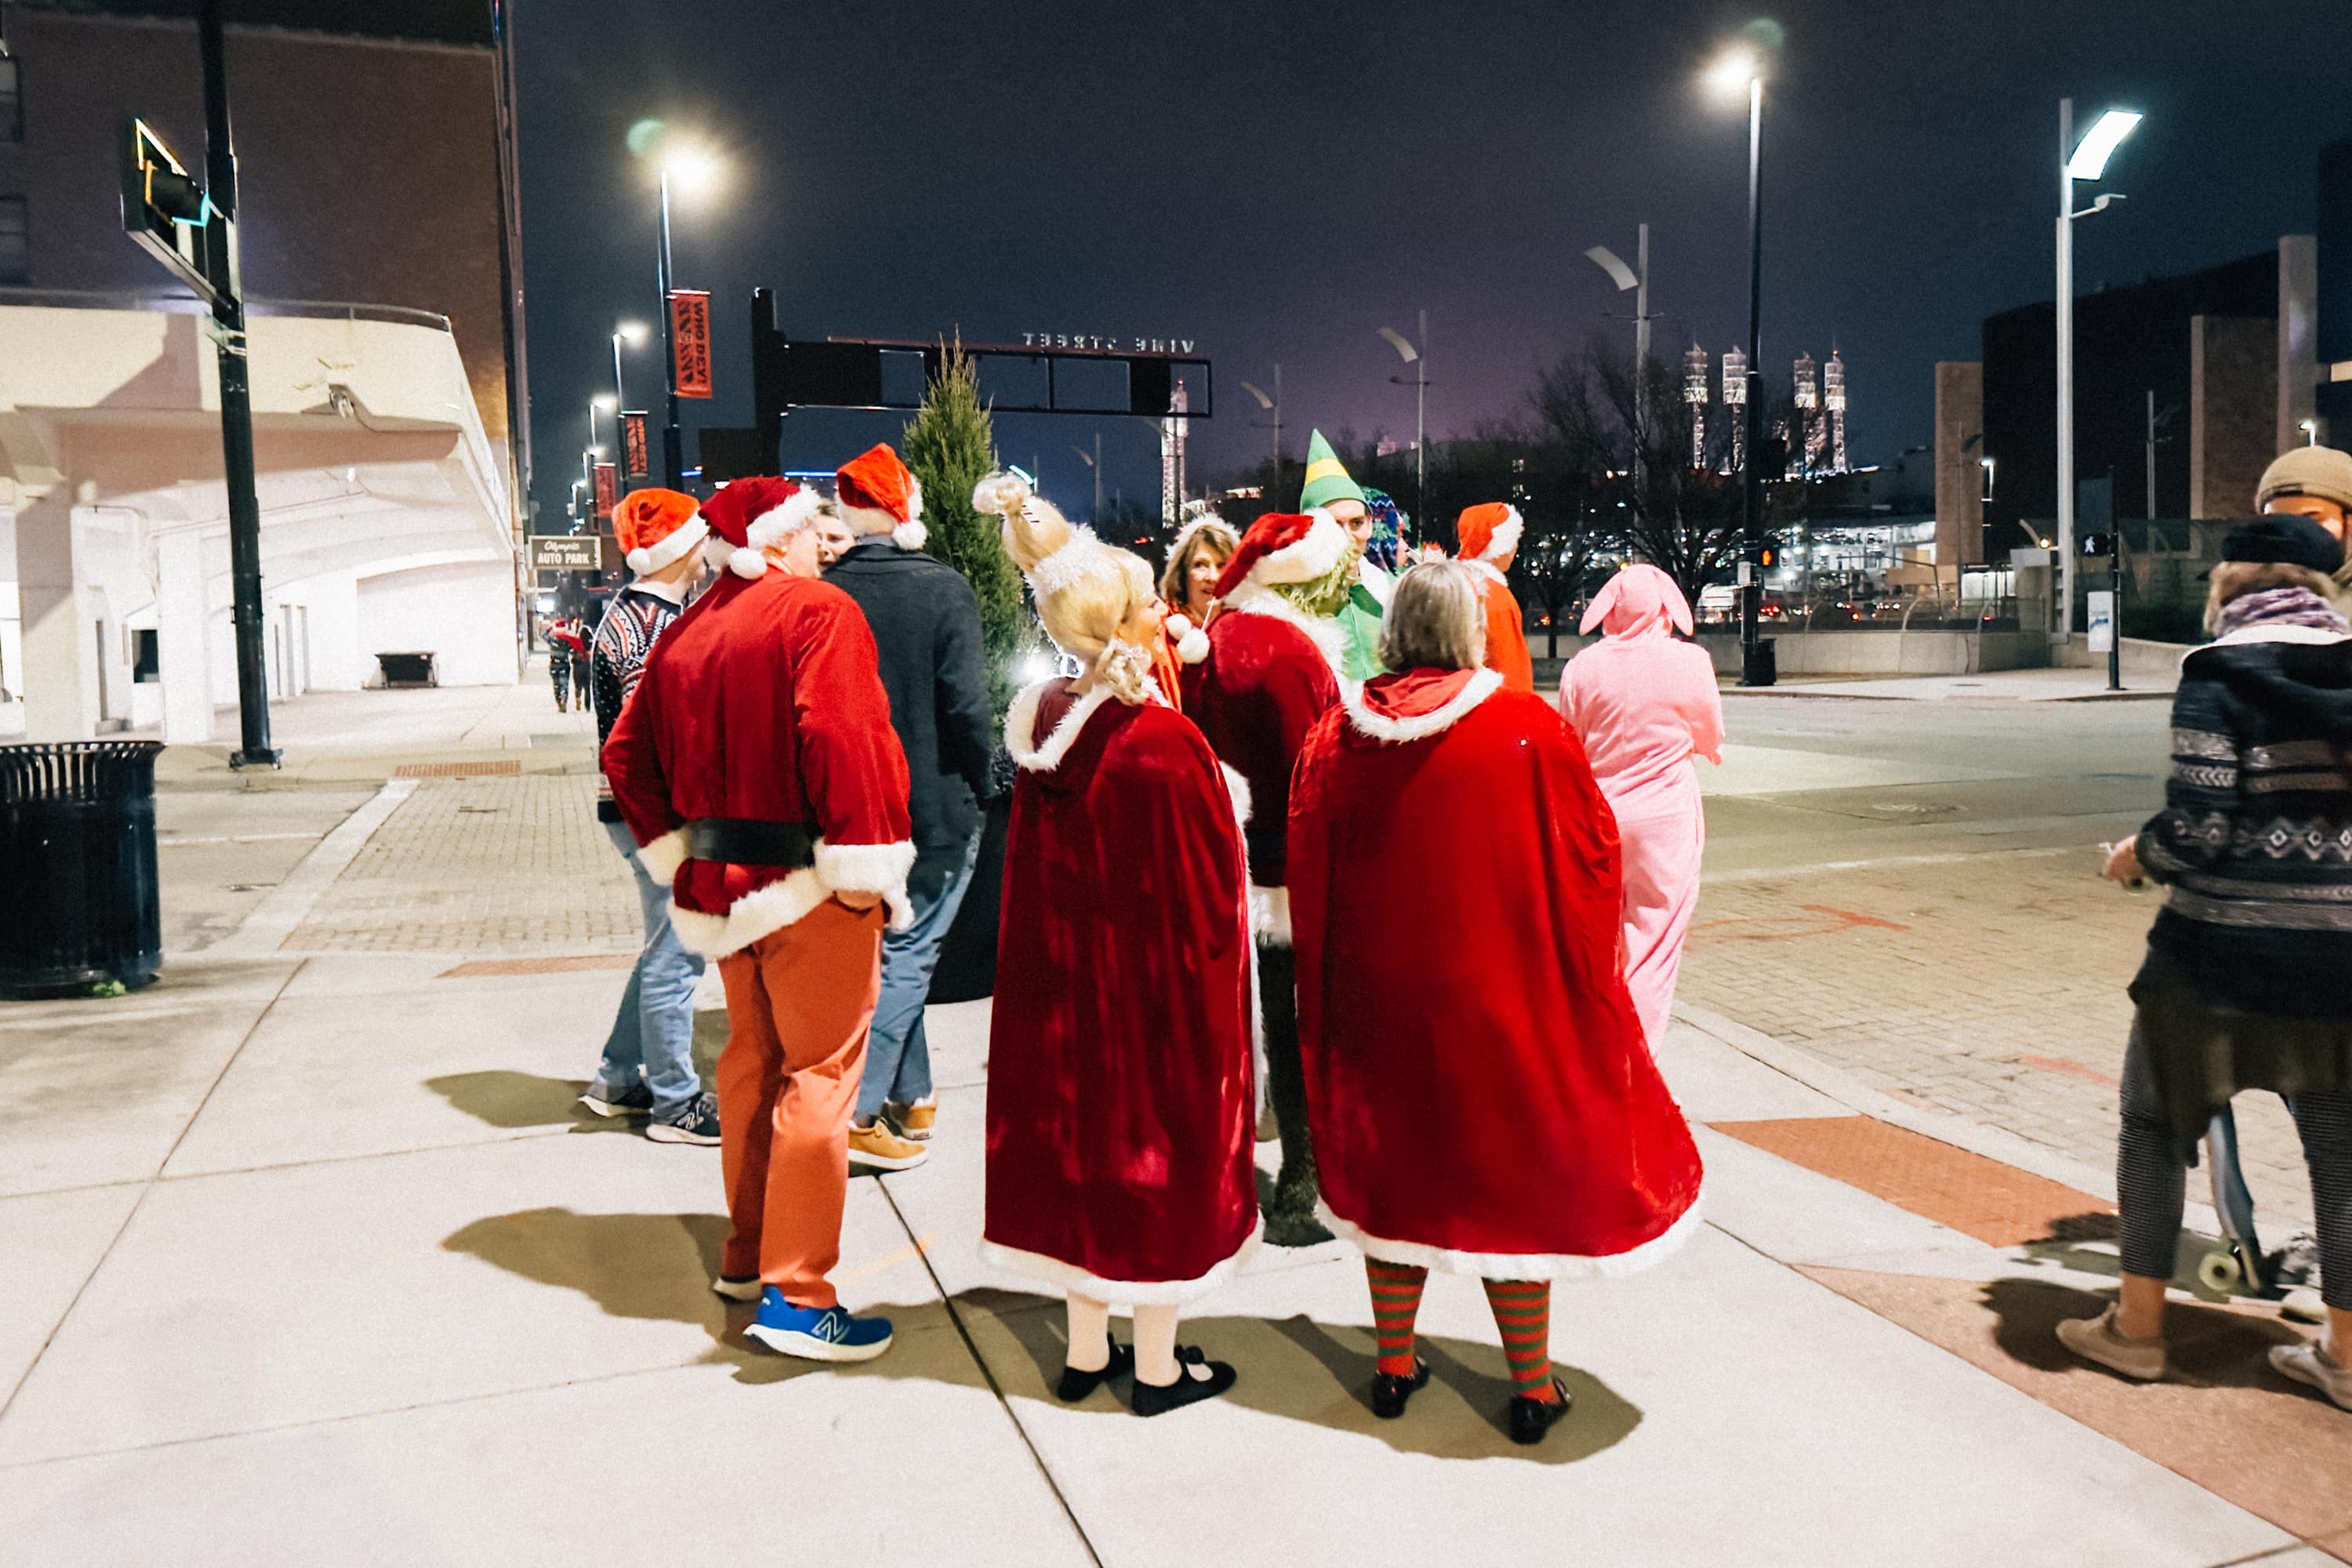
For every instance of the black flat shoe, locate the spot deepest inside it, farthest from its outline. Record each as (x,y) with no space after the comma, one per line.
(1153,1399)
(1390,1391)
(1076,1384)
(1531,1418)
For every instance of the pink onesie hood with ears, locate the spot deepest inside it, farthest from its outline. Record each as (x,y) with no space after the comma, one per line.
(1638,600)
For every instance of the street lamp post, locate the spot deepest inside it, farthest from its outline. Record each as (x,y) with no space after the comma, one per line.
(1416,356)
(1093,461)
(673,441)
(1737,70)
(2085,161)
(1635,278)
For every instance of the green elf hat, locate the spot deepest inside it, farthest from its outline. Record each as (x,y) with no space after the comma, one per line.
(1327,481)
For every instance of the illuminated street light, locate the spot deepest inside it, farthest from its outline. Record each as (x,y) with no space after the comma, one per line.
(690,168)
(1419,359)
(1738,69)
(2085,160)
(2310,429)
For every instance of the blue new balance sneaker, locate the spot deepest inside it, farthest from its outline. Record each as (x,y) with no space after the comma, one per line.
(813,1333)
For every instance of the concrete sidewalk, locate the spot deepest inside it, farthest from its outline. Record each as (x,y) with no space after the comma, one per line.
(312,1260)
(1992,686)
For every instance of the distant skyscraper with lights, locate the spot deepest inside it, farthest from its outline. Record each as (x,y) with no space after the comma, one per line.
(1734,399)
(1694,393)
(1833,399)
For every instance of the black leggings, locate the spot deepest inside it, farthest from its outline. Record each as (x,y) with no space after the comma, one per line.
(2151,1183)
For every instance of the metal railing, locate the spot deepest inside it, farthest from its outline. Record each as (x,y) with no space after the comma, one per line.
(188,305)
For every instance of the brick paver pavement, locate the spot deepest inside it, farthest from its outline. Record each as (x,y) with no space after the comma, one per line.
(482,865)
(1990,986)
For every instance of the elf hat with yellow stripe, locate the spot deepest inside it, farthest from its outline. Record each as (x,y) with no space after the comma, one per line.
(1327,481)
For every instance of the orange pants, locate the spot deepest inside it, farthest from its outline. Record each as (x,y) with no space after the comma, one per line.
(798,1001)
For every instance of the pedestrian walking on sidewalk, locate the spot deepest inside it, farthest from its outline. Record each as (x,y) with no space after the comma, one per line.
(1644,705)
(926,623)
(647,1068)
(566,637)
(1118,1093)
(1486,1106)
(2243,985)
(758,771)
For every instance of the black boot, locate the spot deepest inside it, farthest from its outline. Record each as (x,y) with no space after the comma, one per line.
(1390,1390)
(1531,1418)
(1290,1213)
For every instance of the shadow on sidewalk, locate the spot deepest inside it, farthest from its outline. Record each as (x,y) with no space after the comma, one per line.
(631,1265)
(2210,1347)
(502,1098)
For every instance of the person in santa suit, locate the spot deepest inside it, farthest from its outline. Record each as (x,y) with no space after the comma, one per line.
(1270,673)
(1119,1102)
(1486,539)
(756,767)
(1489,1108)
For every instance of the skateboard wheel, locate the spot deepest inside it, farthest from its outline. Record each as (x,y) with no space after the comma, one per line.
(2217,1270)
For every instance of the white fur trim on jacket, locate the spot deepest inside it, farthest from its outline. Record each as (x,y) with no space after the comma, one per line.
(1505,537)
(1486,569)
(1270,915)
(1519,1265)
(840,868)
(681,539)
(1238,788)
(1021,724)
(1306,558)
(1421,726)
(664,856)
(1254,598)
(1118,1292)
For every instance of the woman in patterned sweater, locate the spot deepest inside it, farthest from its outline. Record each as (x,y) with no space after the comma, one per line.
(2242,987)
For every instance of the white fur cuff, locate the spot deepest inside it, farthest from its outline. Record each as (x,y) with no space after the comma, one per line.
(870,868)
(663,857)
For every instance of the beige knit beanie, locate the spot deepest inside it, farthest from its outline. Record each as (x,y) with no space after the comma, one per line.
(2321,472)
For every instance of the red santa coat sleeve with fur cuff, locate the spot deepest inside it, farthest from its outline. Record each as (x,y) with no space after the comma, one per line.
(1256,698)
(1472,808)
(764,702)
(1120,1109)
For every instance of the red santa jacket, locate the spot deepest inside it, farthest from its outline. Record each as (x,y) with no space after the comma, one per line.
(1264,683)
(764,702)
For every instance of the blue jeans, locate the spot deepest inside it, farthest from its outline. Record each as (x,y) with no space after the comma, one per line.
(897,1056)
(653,1033)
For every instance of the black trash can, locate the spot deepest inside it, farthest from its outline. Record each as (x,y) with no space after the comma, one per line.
(78,862)
(1759,664)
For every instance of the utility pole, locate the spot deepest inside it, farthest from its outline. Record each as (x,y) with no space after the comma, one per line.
(228,328)
(1752,670)
(2065,368)
(1641,357)
(1421,429)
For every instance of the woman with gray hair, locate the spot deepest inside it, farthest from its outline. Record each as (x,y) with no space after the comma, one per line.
(2242,987)
(1487,1108)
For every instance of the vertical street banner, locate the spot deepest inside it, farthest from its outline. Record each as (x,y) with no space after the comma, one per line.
(636,461)
(608,488)
(689,323)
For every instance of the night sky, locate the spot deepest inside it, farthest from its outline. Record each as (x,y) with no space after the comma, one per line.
(1278,180)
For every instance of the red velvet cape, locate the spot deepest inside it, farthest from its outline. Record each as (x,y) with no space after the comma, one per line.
(1119,1100)
(1482,1099)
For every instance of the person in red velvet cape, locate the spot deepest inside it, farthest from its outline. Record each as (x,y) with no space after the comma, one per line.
(1486,1106)
(1118,1095)
(1271,671)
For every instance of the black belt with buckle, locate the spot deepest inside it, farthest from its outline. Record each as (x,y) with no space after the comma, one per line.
(745,841)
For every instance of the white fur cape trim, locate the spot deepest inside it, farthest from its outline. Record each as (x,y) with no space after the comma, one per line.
(1254,598)
(664,856)
(840,868)
(1389,731)
(1306,558)
(681,539)
(1118,1292)
(1520,1264)
(1021,724)
(1505,537)
(1270,915)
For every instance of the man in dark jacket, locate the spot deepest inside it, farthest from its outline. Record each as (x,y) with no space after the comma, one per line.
(926,623)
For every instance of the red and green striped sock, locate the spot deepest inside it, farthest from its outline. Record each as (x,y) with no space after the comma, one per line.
(1523,1313)
(1396,1302)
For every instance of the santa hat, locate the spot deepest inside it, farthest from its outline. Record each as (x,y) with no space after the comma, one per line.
(1285,547)
(1488,533)
(657,527)
(750,515)
(878,495)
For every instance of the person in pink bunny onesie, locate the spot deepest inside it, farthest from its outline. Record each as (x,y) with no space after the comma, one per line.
(1645,704)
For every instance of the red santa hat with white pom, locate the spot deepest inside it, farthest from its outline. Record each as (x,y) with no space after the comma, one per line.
(876,494)
(1285,547)
(1488,533)
(657,527)
(750,515)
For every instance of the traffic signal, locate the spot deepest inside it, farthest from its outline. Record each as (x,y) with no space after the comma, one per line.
(1767,558)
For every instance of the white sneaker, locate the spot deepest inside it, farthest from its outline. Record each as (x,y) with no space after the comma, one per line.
(2303,1363)
(2303,1305)
(2098,1339)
